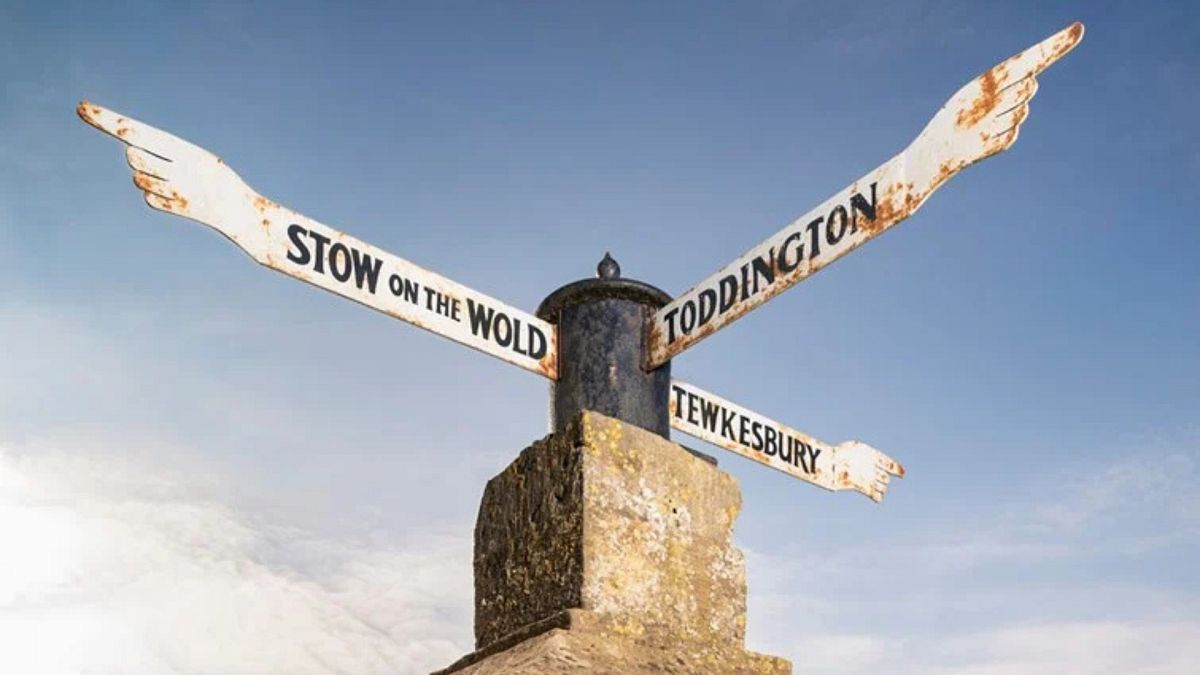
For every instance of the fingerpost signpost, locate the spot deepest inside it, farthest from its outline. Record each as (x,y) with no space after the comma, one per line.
(606,344)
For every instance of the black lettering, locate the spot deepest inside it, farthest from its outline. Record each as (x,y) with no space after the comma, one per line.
(784,265)
(366,270)
(537,339)
(687,319)
(785,449)
(858,203)
(708,305)
(807,456)
(763,268)
(679,392)
(727,423)
(834,234)
(770,443)
(335,252)
(517,337)
(502,320)
(729,289)
(443,304)
(709,414)
(295,233)
(319,256)
(481,318)
(670,319)
(756,430)
(813,228)
(692,409)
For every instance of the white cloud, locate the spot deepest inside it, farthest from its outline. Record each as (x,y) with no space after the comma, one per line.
(115,567)
(1086,577)
(841,653)
(144,561)
(1094,647)
(1160,478)
(1091,647)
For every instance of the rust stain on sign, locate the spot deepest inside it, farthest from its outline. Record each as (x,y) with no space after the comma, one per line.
(978,121)
(183,179)
(1029,64)
(548,365)
(989,88)
(852,465)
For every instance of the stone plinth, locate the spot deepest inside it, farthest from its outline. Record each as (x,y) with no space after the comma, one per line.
(606,548)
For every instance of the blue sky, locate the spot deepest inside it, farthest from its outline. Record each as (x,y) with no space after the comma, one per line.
(1026,344)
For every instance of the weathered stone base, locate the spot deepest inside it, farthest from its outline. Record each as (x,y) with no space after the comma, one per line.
(605,548)
(578,641)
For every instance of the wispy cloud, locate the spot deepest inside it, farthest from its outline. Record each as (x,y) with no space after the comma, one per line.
(123,563)
(118,567)
(1077,579)
(1159,477)
(1093,647)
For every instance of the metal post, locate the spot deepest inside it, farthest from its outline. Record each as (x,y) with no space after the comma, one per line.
(601,351)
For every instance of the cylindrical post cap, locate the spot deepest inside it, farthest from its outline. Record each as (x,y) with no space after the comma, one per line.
(608,284)
(601,326)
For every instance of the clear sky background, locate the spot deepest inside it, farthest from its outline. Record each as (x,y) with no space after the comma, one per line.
(208,467)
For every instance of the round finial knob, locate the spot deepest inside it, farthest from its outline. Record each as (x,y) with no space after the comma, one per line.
(608,268)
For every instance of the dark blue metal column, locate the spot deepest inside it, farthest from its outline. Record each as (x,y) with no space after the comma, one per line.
(601,351)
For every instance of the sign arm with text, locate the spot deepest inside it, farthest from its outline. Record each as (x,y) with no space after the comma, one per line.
(183,179)
(852,465)
(980,120)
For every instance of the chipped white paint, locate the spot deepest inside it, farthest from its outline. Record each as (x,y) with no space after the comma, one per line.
(185,180)
(978,121)
(852,465)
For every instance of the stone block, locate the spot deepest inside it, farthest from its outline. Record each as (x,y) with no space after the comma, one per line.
(606,548)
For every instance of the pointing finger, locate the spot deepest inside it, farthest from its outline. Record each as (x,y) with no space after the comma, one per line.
(891,466)
(145,162)
(1015,94)
(1040,56)
(177,206)
(133,132)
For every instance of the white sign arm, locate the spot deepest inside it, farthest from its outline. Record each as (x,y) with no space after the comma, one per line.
(980,120)
(186,180)
(852,465)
